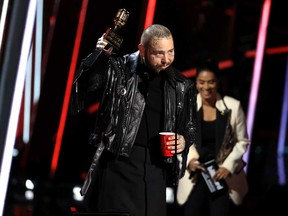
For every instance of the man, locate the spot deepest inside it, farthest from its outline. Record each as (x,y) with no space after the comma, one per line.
(142,95)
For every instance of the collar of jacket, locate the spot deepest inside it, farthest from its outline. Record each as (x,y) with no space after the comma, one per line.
(219,103)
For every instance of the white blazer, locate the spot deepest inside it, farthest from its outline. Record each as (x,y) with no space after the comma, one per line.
(237,182)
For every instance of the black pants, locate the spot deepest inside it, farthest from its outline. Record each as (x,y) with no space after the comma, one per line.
(202,203)
(130,185)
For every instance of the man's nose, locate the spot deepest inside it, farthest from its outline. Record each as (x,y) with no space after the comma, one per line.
(165,58)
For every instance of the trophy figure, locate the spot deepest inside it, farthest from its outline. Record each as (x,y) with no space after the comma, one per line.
(114,40)
(111,36)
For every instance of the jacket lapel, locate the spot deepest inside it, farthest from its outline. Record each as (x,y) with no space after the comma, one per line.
(221,123)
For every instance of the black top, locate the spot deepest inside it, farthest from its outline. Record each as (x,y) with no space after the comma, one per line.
(208,146)
(151,122)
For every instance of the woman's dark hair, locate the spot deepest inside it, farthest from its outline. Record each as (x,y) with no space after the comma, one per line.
(210,65)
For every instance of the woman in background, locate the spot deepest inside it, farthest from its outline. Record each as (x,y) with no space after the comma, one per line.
(222,139)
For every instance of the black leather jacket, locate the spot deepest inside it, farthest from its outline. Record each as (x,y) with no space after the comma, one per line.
(122,104)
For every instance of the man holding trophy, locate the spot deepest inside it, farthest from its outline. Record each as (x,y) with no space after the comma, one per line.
(142,94)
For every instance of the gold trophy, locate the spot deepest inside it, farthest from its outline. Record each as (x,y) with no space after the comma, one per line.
(111,36)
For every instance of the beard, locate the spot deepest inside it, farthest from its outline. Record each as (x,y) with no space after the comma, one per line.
(156,67)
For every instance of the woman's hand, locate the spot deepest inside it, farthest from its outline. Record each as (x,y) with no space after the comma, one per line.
(194,165)
(221,173)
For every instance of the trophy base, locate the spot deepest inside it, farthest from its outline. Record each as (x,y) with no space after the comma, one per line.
(113,38)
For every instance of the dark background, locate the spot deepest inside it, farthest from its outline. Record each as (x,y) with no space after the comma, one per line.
(223,29)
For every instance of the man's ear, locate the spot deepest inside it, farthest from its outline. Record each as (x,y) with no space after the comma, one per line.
(141,49)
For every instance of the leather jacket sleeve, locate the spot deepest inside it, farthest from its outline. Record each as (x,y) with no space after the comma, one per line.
(190,130)
(87,79)
(186,105)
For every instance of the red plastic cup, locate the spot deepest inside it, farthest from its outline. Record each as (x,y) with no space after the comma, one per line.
(164,138)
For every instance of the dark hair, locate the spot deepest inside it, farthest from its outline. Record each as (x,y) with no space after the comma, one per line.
(208,64)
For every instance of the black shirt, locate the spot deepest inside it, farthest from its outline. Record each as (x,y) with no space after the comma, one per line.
(151,122)
(208,145)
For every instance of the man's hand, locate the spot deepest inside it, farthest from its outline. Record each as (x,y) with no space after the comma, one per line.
(102,43)
(180,144)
